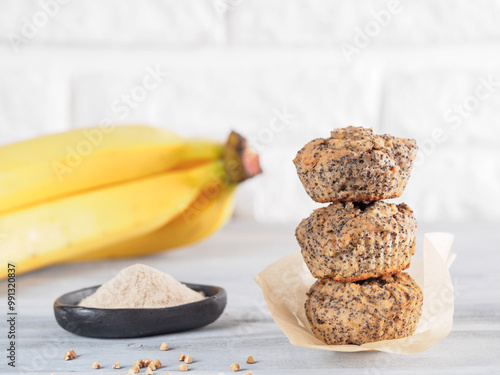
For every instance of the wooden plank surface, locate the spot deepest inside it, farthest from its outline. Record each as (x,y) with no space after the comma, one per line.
(231,259)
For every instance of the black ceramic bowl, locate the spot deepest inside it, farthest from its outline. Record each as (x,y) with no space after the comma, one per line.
(119,323)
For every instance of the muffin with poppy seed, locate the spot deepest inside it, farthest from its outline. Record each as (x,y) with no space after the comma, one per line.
(383,308)
(355,165)
(350,241)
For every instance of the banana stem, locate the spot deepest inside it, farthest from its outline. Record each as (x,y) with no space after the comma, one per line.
(240,161)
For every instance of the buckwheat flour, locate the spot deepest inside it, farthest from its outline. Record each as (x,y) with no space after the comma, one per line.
(140,286)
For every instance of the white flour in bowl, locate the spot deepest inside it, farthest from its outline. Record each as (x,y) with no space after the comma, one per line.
(140,286)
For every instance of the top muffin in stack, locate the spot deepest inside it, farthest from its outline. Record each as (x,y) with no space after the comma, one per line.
(358,236)
(355,165)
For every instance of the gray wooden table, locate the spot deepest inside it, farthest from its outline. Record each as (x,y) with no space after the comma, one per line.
(230,259)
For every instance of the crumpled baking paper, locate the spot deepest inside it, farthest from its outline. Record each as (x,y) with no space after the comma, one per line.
(286,282)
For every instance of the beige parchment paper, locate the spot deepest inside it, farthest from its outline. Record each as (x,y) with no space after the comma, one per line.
(285,283)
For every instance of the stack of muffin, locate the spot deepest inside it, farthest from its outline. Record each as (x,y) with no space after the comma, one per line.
(358,245)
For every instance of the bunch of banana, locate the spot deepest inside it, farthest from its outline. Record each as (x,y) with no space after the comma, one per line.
(127,191)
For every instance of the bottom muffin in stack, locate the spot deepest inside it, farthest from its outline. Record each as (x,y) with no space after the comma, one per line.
(382,308)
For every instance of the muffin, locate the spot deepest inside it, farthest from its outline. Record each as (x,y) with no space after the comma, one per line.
(355,165)
(350,241)
(384,308)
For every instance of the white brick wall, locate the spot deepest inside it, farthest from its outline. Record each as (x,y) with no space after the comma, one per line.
(236,64)
(32,101)
(321,24)
(111,23)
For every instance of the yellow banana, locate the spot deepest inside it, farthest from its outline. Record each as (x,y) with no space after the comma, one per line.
(185,195)
(204,216)
(52,166)
(57,231)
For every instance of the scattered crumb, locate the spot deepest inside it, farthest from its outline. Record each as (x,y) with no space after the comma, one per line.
(235,367)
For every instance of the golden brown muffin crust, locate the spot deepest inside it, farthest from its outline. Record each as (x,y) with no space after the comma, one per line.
(355,165)
(355,241)
(376,309)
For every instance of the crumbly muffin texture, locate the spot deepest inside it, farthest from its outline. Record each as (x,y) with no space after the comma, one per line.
(384,308)
(355,165)
(349,241)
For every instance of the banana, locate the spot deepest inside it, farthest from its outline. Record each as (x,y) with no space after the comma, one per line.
(176,192)
(203,217)
(52,166)
(57,231)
